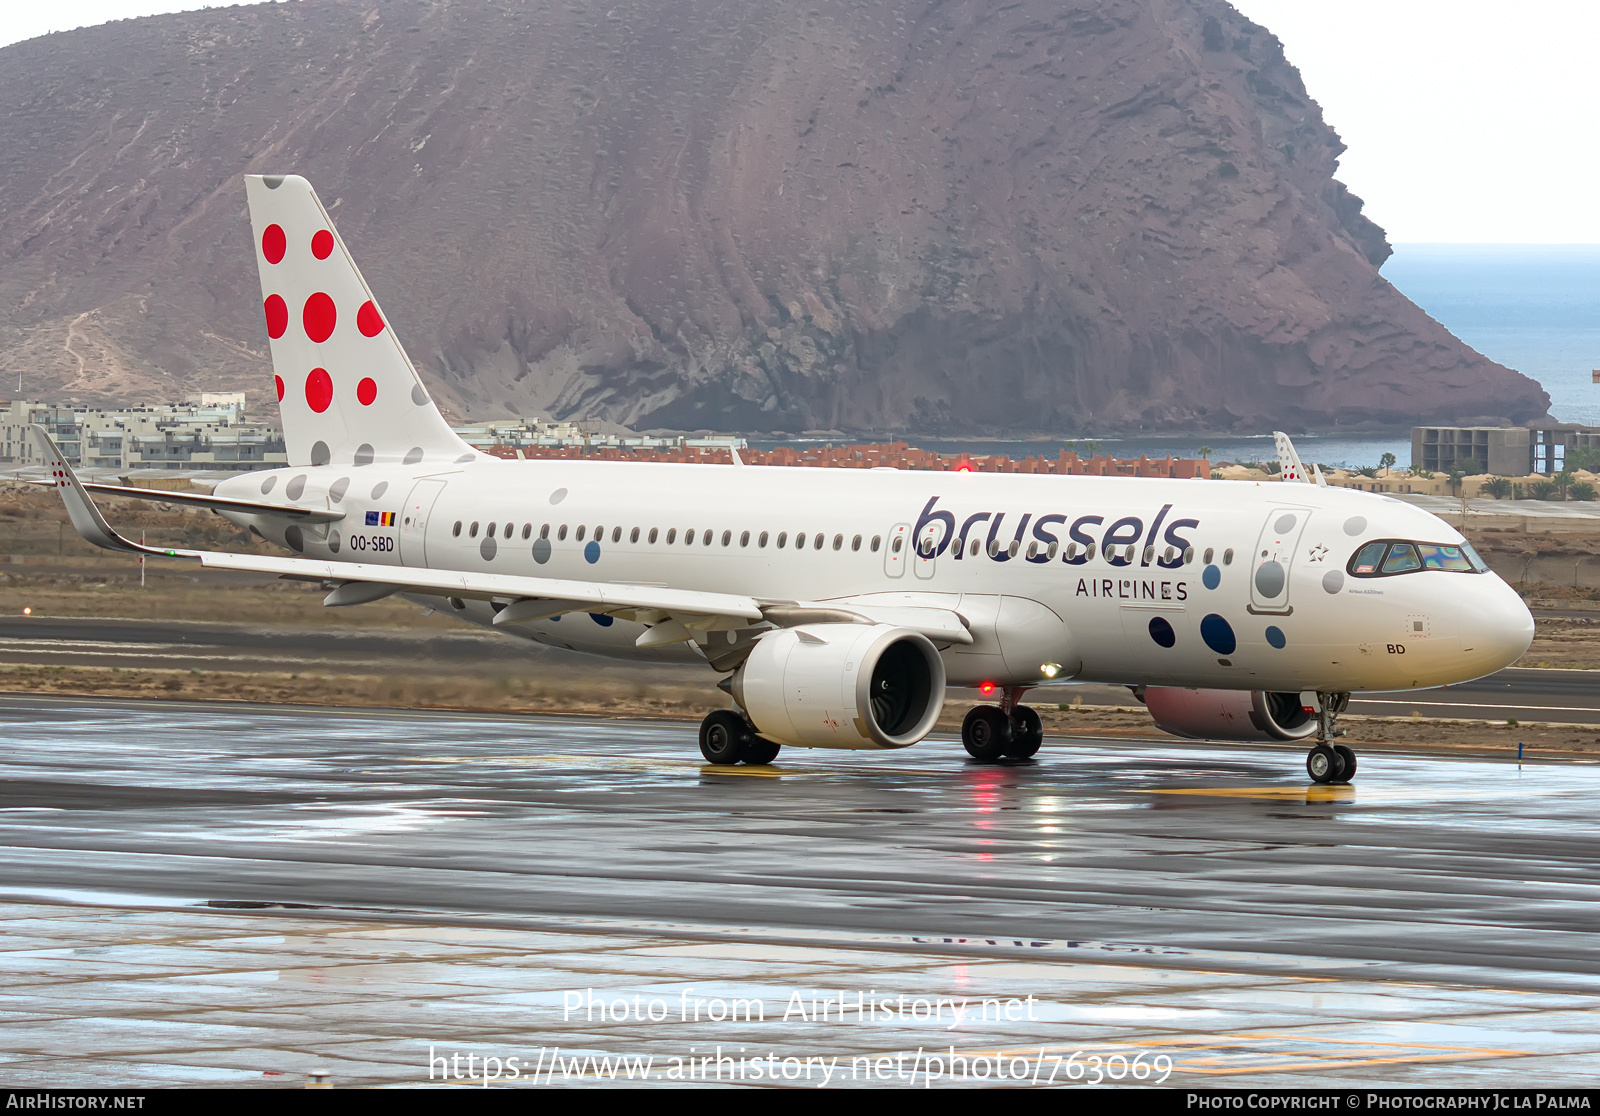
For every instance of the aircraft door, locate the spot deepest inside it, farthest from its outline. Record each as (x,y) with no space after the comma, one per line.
(1274,558)
(894,550)
(414,521)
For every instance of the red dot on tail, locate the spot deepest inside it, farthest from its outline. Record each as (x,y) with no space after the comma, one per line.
(278,383)
(319,390)
(277,316)
(322,244)
(319,317)
(366,391)
(273,243)
(368,321)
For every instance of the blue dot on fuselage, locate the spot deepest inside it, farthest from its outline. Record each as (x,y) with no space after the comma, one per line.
(1218,634)
(1276,637)
(606,621)
(1211,578)
(591,552)
(1162,632)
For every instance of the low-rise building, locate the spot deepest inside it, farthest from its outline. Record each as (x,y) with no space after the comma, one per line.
(212,434)
(1506,451)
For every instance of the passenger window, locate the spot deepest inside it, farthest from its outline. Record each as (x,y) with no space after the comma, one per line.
(561,532)
(975,545)
(457,531)
(1051,553)
(816,543)
(527,530)
(688,537)
(783,537)
(616,534)
(1088,552)
(761,539)
(489,530)
(472,532)
(876,540)
(1033,550)
(509,528)
(855,543)
(633,536)
(1150,553)
(727,537)
(707,540)
(1208,554)
(1402,557)
(581,530)
(672,535)
(544,532)
(838,541)
(895,547)
(994,548)
(1367,558)
(744,539)
(1227,557)
(1188,555)
(599,534)
(652,537)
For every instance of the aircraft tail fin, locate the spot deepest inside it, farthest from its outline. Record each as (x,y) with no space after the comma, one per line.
(347,392)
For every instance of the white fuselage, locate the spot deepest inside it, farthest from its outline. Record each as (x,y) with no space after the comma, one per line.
(1193,579)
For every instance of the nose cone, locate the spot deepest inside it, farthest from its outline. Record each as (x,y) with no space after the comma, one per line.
(1496,626)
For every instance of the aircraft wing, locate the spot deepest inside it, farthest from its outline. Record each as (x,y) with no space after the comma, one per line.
(672,615)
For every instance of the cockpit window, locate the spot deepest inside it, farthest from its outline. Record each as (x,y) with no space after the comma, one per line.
(1402,559)
(1389,557)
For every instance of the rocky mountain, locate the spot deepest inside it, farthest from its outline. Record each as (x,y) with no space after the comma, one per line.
(871,215)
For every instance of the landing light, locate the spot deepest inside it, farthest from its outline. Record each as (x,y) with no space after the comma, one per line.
(1050,670)
(29,612)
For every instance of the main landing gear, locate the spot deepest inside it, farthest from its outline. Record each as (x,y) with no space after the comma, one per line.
(1005,731)
(1328,762)
(726,738)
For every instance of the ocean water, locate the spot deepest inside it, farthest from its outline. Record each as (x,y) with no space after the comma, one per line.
(1532,307)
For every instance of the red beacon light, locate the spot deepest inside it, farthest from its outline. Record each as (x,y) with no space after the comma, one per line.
(986,688)
(964,465)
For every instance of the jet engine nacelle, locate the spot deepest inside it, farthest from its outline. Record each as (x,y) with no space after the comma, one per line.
(1231,714)
(842,686)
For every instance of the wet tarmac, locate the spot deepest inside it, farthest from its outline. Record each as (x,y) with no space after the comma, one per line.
(226,893)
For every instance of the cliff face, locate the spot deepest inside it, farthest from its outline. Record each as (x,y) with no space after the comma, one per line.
(943,215)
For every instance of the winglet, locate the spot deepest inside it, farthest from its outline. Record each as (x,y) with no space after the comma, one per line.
(1289,467)
(86,518)
(738,462)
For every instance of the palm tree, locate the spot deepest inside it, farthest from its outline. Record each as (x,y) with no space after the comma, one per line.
(1386,462)
(1205,452)
(1580,490)
(1542,490)
(1496,487)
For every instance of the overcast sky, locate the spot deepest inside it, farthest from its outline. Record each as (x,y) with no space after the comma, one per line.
(1467,120)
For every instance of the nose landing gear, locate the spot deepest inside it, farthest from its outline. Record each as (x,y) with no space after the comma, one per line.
(991,733)
(1328,762)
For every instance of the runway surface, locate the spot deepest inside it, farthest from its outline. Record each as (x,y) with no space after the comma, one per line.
(234,891)
(1566,696)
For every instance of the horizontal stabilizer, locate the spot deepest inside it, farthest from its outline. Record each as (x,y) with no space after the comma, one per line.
(218,503)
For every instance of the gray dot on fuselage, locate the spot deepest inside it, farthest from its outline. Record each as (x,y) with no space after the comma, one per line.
(364,454)
(333,541)
(1270,579)
(541,551)
(464,458)
(413,455)
(379,489)
(294,537)
(320,454)
(295,487)
(558,495)
(1355,525)
(487,548)
(272,181)
(418,396)
(1333,581)
(337,489)
(1284,525)
(266,485)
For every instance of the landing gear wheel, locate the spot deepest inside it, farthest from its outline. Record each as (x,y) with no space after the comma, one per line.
(760,751)
(986,733)
(1027,733)
(724,737)
(1347,754)
(1324,765)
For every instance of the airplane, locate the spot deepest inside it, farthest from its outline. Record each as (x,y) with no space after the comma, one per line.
(838,605)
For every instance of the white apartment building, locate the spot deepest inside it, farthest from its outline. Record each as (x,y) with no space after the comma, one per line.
(211,434)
